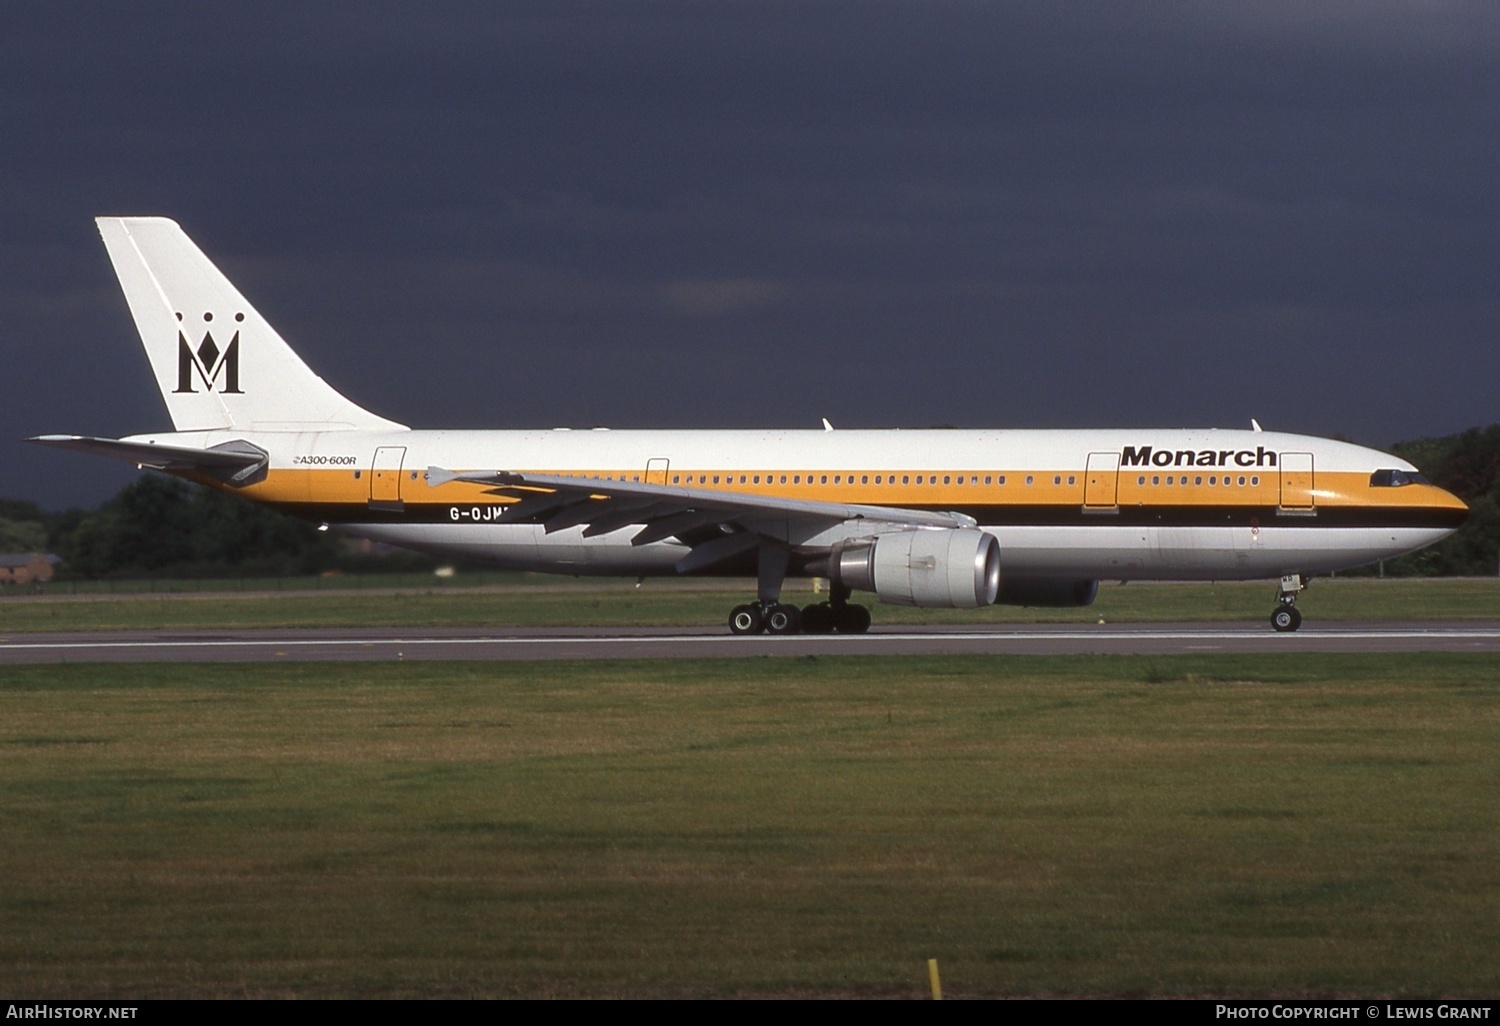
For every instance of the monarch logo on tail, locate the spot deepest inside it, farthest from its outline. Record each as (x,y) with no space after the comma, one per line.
(209,362)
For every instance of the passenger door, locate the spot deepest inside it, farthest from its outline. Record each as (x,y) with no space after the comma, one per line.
(1101,482)
(1297,480)
(385,477)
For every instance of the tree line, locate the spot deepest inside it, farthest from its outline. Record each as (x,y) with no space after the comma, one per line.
(160,526)
(1468,465)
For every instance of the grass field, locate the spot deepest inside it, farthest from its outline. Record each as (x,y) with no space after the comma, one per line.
(661,604)
(1062,826)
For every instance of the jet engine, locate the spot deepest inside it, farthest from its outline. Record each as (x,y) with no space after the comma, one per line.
(950,568)
(1047,591)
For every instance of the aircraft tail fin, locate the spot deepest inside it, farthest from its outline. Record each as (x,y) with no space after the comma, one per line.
(218,363)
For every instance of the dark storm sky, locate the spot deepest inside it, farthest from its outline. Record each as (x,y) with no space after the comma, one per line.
(728,214)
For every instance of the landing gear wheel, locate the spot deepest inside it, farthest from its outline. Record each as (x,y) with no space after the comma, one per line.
(851,620)
(746,620)
(818,619)
(1286,619)
(783,620)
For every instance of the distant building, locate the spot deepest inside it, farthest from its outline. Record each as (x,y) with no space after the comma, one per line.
(26,567)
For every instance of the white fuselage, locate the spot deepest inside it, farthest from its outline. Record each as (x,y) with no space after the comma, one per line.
(1145,504)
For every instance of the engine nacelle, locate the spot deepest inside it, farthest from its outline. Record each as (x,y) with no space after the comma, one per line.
(1047,591)
(949,568)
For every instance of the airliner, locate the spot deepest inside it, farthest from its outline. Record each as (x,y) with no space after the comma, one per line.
(935,519)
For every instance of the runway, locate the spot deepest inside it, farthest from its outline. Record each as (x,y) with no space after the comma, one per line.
(430,644)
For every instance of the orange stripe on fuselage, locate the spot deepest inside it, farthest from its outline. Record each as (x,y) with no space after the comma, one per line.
(293,487)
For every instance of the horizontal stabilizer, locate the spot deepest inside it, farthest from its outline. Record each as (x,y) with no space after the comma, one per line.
(237,462)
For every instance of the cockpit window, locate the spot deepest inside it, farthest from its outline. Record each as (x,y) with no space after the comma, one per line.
(1396,478)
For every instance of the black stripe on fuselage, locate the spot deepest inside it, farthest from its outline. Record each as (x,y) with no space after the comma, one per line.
(1009,515)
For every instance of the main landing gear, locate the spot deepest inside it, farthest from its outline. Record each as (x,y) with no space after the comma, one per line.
(1286,618)
(779,618)
(769,615)
(837,614)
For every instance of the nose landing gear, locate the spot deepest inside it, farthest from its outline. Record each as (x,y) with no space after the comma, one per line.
(1286,618)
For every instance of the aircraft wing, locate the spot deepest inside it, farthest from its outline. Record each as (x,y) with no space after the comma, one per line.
(664,511)
(236,461)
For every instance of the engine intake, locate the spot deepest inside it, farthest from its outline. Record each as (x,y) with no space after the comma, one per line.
(955,568)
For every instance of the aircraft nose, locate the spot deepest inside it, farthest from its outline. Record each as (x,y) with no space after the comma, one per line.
(1455,510)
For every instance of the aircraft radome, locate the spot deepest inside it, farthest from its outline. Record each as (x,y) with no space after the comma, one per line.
(923,518)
